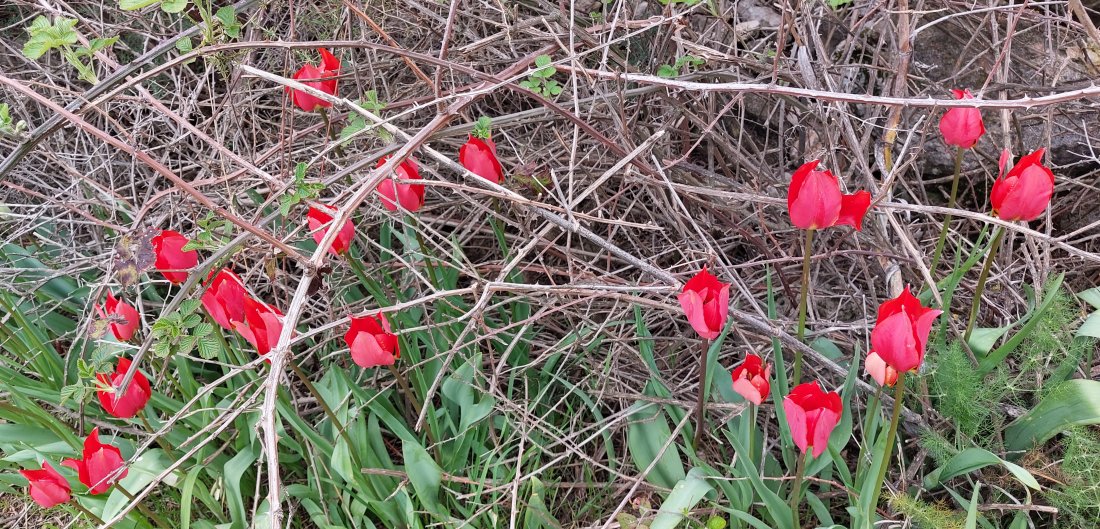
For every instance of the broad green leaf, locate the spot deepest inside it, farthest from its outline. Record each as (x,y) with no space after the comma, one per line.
(1091,296)
(983,339)
(131,5)
(537,515)
(228,17)
(973,459)
(667,71)
(684,496)
(232,473)
(184,45)
(424,474)
(1074,402)
(646,435)
(1091,326)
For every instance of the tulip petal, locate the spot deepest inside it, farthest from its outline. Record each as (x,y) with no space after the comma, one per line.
(853,208)
(824,421)
(895,342)
(796,420)
(746,389)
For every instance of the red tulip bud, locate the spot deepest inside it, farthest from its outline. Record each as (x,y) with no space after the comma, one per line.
(371,342)
(172,261)
(960,126)
(1024,193)
(137,395)
(815,202)
(98,470)
(480,157)
(48,487)
(750,379)
(262,325)
(310,76)
(882,373)
(224,298)
(901,331)
(812,414)
(319,224)
(705,301)
(124,319)
(410,196)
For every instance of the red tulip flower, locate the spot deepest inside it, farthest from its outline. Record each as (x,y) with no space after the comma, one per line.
(97,470)
(371,342)
(812,414)
(172,261)
(224,298)
(318,226)
(901,331)
(48,487)
(1024,193)
(750,379)
(262,325)
(480,157)
(410,196)
(136,397)
(123,317)
(880,371)
(960,126)
(310,76)
(815,202)
(705,301)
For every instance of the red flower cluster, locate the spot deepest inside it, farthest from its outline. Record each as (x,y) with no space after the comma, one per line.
(102,465)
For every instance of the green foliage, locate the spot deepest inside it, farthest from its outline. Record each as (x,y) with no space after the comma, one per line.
(61,35)
(357,123)
(540,81)
(1074,402)
(1078,497)
(963,395)
(213,234)
(924,515)
(669,71)
(183,331)
(483,128)
(227,17)
(299,191)
(9,127)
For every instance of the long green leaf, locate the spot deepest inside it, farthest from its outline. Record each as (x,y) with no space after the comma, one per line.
(1075,402)
(684,496)
(998,355)
(646,434)
(973,459)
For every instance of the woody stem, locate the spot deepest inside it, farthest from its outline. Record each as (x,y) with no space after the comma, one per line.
(331,132)
(891,436)
(424,252)
(796,376)
(998,237)
(700,408)
(950,205)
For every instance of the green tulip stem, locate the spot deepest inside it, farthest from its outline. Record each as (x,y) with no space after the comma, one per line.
(331,133)
(414,403)
(141,507)
(995,246)
(700,407)
(91,515)
(947,219)
(340,429)
(796,489)
(796,376)
(424,252)
(891,436)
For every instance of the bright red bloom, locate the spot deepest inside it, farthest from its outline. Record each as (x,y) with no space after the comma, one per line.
(879,370)
(136,397)
(262,325)
(97,470)
(480,157)
(706,301)
(371,342)
(410,196)
(124,318)
(901,331)
(812,414)
(962,127)
(310,76)
(172,261)
(224,298)
(750,379)
(815,202)
(1024,193)
(318,218)
(48,487)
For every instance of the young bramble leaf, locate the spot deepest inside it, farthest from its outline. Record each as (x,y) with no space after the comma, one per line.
(227,15)
(45,36)
(173,6)
(132,5)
